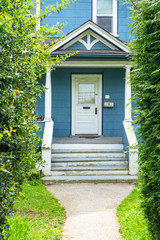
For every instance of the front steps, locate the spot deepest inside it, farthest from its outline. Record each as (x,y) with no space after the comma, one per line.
(89,163)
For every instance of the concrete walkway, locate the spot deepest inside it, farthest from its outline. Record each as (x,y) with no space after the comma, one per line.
(91,209)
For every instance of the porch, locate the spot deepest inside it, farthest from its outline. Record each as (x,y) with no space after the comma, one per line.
(116,128)
(89,95)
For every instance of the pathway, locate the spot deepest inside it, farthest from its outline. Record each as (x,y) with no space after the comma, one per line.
(91,209)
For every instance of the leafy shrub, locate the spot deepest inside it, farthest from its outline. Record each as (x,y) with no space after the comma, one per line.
(19,228)
(22,59)
(146,86)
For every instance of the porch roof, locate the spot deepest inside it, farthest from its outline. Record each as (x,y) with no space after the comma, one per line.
(93,53)
(89,40)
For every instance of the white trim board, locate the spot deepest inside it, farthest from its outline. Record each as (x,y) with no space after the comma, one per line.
(95,64)
(89,33)
(98,30)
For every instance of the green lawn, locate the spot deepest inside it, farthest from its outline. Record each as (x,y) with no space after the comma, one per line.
(38,216)
(131,218)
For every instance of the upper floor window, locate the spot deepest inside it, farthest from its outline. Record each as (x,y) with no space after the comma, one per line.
(105,14)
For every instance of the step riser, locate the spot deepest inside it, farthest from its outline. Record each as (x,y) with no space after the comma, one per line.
(95,163)
(86,159)
(90,179)
(89,173)
(87,146)
(87,168)
(87,155)
(87,151)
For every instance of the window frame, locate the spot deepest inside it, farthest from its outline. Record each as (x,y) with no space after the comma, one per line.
(114,15)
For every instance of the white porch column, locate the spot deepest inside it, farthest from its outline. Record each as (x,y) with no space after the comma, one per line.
(128,116)
(48,97)
(133,148)
(48,128)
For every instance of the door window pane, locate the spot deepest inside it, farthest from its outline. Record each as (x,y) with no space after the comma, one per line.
(86,93)
(104,7)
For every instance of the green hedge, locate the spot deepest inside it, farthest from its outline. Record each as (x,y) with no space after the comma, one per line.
(145,80)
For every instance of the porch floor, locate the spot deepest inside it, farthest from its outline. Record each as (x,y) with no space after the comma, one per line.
(87,139)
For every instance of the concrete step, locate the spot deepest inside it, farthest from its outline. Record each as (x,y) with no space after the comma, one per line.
(85,160)
(88,172)
(87,150)
(89,163)
(90,147)
(71,159)
(87,155)
(90,179)
(89,168)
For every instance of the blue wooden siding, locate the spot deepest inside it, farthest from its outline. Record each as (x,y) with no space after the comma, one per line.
(100,45)
(81,11)
(74,15)
(124,19)
(61,102)
(78,46)
(113,85)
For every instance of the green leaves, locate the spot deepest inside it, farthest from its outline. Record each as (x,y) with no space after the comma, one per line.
(145,79)
(23,57)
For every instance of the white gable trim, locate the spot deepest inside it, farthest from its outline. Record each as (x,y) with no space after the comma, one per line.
(89,44)
(95,28)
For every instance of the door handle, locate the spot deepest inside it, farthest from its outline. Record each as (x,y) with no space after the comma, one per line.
(96,111)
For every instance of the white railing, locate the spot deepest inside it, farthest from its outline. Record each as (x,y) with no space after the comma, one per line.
(133,147)
(47,146)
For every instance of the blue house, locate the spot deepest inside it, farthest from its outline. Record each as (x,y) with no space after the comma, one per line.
(85,112)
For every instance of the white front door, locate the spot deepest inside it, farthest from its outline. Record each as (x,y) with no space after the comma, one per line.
(86,104)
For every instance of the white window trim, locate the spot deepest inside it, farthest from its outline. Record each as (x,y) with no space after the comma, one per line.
(94,15)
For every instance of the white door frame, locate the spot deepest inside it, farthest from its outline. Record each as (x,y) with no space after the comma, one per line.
(74,78)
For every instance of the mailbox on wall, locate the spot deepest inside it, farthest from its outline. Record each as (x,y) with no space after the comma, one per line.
(108,104)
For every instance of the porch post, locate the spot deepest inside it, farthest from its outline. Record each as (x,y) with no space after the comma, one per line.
(48,98)
(48,128)
(128,116)
(129,131)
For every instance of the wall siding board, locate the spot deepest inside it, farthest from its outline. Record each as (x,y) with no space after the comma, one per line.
(81,11)
(74,15)
(113,84)
(61,92)
(124,19)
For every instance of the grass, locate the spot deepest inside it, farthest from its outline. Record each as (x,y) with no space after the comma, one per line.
(131,218)
(38,216)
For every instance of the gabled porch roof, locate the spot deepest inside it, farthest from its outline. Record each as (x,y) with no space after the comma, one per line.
(90,40)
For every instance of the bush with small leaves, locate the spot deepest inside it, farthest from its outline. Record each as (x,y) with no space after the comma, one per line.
(145,79)
(24,56)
